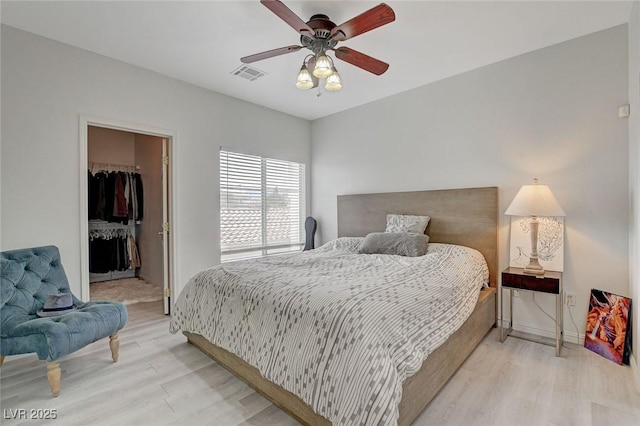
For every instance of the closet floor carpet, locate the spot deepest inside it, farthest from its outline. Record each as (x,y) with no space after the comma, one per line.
(126,290)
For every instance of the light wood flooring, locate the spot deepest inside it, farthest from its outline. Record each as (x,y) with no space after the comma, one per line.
(162,380)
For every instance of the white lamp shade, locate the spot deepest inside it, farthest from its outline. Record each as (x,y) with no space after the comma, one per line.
(323,67)
(304,81)
(534,200)
(333,82)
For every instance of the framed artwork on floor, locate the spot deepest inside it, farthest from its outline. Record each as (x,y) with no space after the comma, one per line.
(608,331)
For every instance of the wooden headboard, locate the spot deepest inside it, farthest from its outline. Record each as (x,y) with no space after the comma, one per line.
(467,217)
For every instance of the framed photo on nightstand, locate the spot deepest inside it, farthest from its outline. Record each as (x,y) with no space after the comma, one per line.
(550,242)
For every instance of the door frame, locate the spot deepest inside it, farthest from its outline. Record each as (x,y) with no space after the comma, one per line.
(84,122)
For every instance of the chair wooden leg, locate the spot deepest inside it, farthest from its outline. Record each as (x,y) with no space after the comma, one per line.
(1,360)
(114,344)
(53,374)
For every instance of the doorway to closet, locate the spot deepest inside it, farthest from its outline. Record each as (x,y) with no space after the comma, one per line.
(127,216)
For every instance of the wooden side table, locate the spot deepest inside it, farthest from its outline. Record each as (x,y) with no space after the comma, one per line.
(550,282)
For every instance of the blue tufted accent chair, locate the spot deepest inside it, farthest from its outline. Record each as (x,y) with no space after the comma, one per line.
(28,277)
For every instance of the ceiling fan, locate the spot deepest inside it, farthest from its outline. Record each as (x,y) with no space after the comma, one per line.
(320,35)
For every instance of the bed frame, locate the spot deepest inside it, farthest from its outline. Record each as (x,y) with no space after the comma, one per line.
(458,216)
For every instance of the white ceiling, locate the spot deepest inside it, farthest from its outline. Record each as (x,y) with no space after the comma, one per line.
(201,42)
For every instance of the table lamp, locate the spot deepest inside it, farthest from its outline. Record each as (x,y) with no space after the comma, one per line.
(535,201)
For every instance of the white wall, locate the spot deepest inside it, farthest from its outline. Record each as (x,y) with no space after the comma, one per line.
(634,180)
(550,114)
(474,129)
(46,85)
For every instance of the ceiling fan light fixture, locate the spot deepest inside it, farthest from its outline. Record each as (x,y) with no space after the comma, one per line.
(320,35)
(323,68)
(333,83)
(304,80)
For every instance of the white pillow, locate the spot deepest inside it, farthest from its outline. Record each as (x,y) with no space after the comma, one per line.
(406,223)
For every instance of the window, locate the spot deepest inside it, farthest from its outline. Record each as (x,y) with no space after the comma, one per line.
(262,206)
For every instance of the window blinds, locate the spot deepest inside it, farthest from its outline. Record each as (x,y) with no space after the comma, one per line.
(262,205)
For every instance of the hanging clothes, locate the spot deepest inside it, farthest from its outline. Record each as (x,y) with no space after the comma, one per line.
(134,255)
(101,259)
(112,249)
(139,197)
(115,196)
(109,196)
(100,205)
(96,187)
(120,213)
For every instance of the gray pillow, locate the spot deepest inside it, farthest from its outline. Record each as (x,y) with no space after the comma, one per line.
(398,243)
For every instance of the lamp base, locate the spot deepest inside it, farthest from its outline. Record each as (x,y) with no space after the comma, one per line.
(534,267)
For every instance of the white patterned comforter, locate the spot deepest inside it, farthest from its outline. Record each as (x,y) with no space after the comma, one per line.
(339,329)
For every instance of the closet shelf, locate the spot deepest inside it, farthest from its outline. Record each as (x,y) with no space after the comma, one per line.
(110,167)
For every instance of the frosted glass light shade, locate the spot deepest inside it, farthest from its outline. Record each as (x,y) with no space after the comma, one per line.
(323,67)
(333,83)
(534,200)
(304,80)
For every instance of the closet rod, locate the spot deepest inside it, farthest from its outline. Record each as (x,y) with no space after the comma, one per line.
(101,224)
(113,167)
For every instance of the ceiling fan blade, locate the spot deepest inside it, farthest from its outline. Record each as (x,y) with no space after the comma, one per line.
(361,60)
(269,54)
(371,19)
(288,16)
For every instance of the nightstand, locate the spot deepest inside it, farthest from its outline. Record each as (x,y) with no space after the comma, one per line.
(550,282)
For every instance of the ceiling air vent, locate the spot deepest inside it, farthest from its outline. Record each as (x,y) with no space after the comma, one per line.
(248,73)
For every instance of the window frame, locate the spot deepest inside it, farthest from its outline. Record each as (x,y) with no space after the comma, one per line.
(268,168)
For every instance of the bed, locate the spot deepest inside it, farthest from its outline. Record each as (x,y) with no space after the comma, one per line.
(462,217)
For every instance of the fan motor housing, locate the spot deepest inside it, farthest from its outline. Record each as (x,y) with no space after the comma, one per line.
(322,26)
